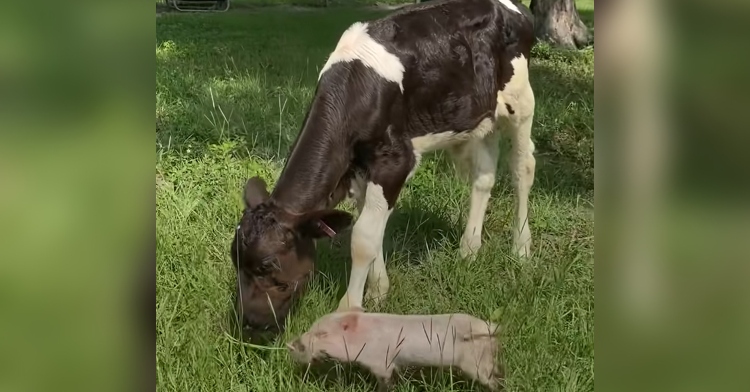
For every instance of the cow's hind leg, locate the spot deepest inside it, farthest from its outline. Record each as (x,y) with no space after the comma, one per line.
(516,103)
(522,166)
(478,157)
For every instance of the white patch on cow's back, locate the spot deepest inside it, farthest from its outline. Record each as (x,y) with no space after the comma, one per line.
(440,141)
(509,4)
(356,44)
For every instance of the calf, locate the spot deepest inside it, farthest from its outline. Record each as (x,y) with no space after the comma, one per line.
(384,343)
(448,74)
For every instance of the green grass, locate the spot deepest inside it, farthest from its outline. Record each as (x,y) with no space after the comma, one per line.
(232,90)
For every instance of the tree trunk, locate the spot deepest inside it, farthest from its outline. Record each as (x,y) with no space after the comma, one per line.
(558,22)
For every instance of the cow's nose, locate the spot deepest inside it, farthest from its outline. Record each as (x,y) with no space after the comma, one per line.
(255,335)
(260,332)
(263,327)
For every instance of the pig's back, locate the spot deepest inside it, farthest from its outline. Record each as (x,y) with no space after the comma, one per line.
(430,340)
(463,323)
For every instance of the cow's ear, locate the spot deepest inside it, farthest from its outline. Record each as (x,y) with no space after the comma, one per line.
(324,223)
(255,192)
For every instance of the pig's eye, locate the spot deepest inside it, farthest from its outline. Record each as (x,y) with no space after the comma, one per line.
(321,334)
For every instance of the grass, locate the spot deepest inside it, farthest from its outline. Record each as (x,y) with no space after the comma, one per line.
(231,94)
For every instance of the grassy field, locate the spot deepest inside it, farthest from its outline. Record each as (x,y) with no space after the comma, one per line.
(232,90)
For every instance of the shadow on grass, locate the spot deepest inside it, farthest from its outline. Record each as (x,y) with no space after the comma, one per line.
(411,233)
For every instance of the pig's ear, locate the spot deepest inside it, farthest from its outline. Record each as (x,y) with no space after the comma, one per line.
(349,322)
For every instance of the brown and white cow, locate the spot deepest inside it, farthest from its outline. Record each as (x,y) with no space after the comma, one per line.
(448,74)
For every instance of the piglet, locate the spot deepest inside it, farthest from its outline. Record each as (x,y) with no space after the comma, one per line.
(383,343)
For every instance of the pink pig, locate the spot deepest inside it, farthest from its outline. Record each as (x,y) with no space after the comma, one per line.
(383,343)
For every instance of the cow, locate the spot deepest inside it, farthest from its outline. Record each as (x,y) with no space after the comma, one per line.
(447,75)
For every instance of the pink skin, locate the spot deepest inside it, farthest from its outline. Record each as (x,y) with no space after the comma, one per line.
(383,343)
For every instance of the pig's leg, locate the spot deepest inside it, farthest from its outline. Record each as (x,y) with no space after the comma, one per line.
(384,384)
(384,377)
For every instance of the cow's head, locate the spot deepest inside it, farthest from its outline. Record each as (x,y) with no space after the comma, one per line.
(274,254)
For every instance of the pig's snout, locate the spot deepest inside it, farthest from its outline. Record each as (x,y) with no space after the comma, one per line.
(296,346)
(298,351)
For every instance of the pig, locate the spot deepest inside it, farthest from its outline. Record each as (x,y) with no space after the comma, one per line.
(383,343)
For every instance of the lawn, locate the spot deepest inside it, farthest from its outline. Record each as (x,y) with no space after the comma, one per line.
(232,90)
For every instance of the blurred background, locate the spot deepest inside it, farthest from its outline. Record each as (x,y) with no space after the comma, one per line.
(672,195)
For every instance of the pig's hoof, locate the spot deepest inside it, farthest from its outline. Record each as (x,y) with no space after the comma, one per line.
(384,384)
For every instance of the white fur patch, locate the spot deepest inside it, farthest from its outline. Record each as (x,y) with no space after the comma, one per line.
(439,141)
(356,44)
(513,93)
(509,4)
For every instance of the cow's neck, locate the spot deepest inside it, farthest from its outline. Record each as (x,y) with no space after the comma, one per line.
(319,158)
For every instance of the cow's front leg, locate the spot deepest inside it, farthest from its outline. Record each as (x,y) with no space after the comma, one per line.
(367,248)
(387,175)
